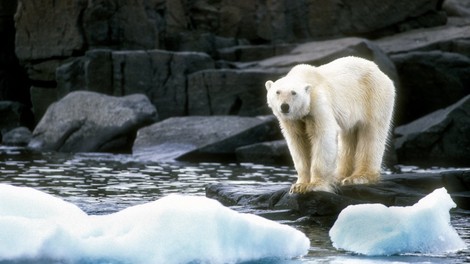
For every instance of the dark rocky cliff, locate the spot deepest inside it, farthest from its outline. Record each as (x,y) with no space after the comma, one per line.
(212,57)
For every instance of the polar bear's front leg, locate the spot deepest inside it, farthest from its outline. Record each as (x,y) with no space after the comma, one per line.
(324,151)
(299,148)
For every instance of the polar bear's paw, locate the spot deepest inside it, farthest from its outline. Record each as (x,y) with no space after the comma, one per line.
(361,179)
(302,188)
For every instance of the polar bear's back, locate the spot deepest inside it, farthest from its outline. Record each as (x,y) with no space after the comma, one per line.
(362,90)
(351,69)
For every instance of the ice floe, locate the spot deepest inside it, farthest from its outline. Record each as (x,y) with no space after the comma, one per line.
(173,229)
(374,229)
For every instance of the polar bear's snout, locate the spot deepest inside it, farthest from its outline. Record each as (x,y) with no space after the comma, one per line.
(285,108)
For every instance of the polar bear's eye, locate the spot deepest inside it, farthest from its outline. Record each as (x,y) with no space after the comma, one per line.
(278,92)
(293,92)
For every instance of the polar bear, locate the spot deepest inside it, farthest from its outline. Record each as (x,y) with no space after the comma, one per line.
(336,119)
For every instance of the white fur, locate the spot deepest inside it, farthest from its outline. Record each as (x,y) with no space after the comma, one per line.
(338,121)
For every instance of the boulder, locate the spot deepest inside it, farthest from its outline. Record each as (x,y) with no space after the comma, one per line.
(161,75)
(271,152)
(19,136)
(228,92)
(439,138)
(201,137)
(89,122)
(274,201)
(432,65)
(445,38)
(430,81)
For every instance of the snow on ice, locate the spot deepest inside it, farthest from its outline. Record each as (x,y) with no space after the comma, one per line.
(374,229)
(174,229)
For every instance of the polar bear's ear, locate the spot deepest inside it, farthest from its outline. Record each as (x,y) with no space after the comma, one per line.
(307,88)
(268,84)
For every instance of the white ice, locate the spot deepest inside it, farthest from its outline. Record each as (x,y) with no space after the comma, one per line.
(174,229)
(374,229)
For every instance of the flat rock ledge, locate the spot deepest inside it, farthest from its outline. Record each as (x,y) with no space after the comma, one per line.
(275,202)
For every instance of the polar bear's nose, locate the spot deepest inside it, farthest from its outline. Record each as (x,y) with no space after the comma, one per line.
(285,108)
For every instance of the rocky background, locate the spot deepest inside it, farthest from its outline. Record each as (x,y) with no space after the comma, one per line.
(180,79)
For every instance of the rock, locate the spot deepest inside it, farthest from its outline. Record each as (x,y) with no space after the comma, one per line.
(19,136)
(442,137)
(110,46)
(89,122)
(40,39)
(272,152)
(200,137)
(430,81)
(14,83)
(153,24)
(460,8)
(125,25)
(290,21)
(13,115)
(228,92)
(247,53)
(444,38)
(322,52)
(85,24)
(93,72)
(277,152)
(42,98)
(323,208)
(70,77)
(201,42)
(44,71)
(438,58)
(161,75)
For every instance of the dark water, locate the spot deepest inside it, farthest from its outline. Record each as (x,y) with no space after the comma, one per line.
(106,183)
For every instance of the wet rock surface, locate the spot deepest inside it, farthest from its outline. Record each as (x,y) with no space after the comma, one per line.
(269,152)
(323,208)
(201,137)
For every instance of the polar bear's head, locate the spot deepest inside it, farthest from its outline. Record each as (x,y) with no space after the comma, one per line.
(289,98)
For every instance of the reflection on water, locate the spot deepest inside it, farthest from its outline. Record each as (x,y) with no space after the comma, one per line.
(105,183)
(102,183)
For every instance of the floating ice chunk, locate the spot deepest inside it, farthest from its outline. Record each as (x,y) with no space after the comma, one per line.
(174,229)
(374,229)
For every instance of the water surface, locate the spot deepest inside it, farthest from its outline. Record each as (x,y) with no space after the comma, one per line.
(104,183)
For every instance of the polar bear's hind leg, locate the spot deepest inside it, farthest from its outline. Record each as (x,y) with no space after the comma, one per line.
(368,155)
(347,141)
